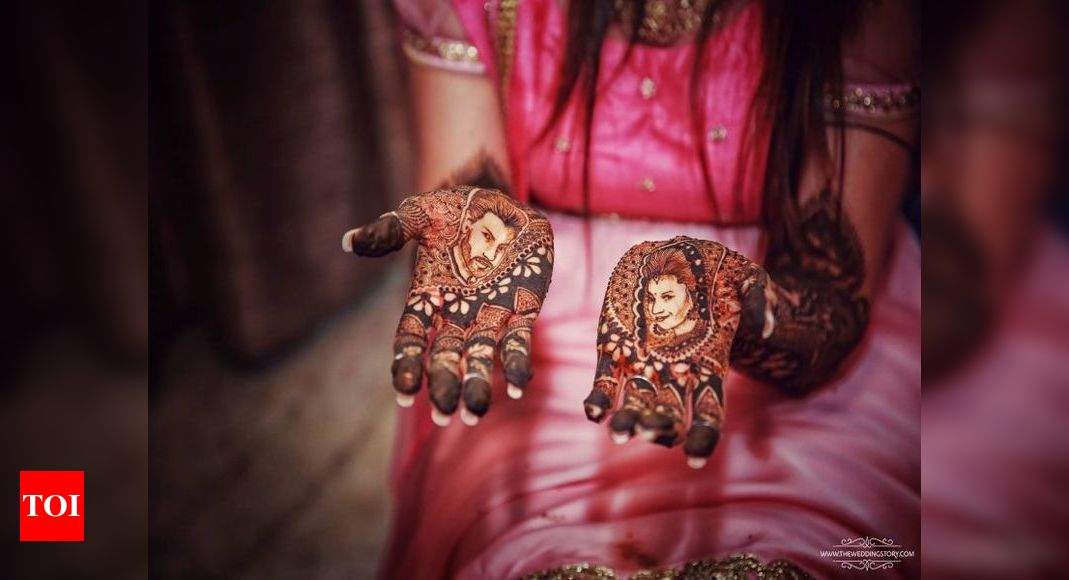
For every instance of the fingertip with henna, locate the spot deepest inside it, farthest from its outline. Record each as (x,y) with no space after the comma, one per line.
(378,238)
(517,373)
(624,421)
(701,441)
(444,390)
(476,397)
(347,240)
(658,428)
(595,405)
(407,374)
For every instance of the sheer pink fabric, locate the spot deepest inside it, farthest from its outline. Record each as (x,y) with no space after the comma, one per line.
(536,485)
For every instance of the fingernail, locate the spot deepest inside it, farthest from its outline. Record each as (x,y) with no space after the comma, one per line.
(696,462)
(405,400)
(514,391)
(594,411)
(646,434)
(620,437)
(770,322)
(347,240)
(470,419)
(440,419)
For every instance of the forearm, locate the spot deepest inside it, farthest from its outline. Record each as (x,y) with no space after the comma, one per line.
(805,314)
(459,134)
(795,333)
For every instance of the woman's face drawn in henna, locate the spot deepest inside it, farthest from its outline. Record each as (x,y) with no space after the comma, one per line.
(667,293)
(485,235)
(667,324)
(667,304)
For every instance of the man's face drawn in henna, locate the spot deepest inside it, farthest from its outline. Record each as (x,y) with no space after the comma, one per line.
(487,231)
(482,270)
(667,293)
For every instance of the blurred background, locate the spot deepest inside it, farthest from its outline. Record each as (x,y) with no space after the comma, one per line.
(254,418)
(182,324)
(75,313)
(996,363)
(275,128)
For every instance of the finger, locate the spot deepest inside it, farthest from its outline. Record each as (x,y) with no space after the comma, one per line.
(378,238)
(639,394)
(479,365)
(485,330)
(516,355)
(443,382)
(602,397)
(410,344)
(663,424)
(708,416)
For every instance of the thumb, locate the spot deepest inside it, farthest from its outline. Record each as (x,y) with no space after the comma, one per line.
(378,238)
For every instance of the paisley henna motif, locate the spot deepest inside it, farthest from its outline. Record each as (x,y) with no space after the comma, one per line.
(667,324)
(483,266)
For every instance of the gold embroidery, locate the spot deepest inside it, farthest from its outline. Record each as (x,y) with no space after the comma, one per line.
(664,22)
(738,567)
(894,102)
(573,572)
(506,42)
(455,52)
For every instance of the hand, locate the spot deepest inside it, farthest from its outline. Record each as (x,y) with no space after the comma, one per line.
(482,270)
(664,340)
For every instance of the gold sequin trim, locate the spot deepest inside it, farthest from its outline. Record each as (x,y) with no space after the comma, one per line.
(894,102)
(664,22)
(573,572)
(455,53)
(739,567)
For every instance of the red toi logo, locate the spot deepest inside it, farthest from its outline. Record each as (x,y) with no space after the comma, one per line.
(52,506)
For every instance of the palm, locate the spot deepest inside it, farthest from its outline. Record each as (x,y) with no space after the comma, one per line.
(670,314)
(483,266)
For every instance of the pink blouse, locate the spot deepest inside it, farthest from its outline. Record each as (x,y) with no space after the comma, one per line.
(644,160)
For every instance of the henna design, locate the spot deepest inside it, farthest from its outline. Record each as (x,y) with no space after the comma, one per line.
(483,267)
(670,315)
(807,314)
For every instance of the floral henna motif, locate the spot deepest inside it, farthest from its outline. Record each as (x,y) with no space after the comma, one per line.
(483,266)
(667,324)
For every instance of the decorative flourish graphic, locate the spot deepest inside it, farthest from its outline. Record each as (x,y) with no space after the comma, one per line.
(670,314)
(483,266)
(868,542)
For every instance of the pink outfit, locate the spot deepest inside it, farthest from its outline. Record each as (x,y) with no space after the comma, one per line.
(535,485)
(643,163)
